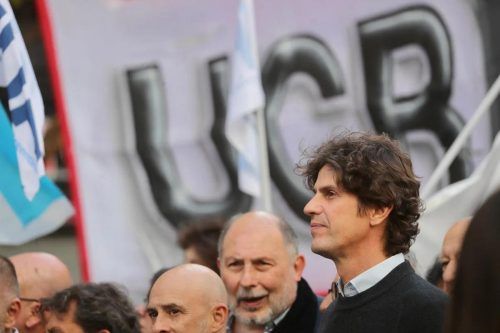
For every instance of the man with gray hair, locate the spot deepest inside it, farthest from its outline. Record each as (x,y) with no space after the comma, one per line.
(10,304)
(262,270)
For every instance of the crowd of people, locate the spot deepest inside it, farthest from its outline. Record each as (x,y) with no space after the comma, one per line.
(245,274)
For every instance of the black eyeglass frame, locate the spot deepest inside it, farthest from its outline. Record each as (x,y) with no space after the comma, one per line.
(27,299)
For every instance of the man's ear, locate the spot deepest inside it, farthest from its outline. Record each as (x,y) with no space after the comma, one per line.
(220,314)
(35,317)
(12,312)
(298,266)
(379,215)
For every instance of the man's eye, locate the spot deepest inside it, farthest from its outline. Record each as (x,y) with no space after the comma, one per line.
(263,264)
(234,264)
(174,312)
(152,313)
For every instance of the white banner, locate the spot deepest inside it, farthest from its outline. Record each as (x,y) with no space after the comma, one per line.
(99,41)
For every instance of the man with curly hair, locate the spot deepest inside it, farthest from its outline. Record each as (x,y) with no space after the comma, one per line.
(90,308)
(364,214)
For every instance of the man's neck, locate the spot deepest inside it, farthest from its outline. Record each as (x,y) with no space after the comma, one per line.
(239,327)
(350,267)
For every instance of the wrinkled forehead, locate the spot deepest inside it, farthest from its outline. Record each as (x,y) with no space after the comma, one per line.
(189,302)
(174,290)
(255,245)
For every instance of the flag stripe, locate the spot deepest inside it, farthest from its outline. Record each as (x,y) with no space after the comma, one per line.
(16,86)
(6,37)
(22,114)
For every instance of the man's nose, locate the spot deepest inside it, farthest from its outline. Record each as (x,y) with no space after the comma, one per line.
(248,277)
(312,207)
(162,325)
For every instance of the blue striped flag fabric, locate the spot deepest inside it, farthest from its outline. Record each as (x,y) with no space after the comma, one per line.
(30,203)
(22,220)
(25,101)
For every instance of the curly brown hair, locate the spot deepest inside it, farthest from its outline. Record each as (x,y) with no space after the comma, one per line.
(376,170)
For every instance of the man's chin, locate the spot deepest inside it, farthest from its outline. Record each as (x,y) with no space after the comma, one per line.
(318,248)
(254,318)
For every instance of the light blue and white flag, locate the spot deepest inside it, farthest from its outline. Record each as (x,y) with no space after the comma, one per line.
(22,220)
(30,204)
(245,98)
(25,101)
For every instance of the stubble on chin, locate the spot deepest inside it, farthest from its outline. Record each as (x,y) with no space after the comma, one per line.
(252,318)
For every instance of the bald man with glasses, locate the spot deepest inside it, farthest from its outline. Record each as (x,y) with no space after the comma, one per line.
(40,275)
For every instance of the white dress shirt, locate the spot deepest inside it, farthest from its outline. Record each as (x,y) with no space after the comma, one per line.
(370,277)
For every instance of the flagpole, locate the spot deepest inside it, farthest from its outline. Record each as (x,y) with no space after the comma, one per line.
(265,175)
(245,124)
(459,142)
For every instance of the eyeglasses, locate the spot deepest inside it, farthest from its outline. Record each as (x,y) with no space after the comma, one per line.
(26,299)
(33,300)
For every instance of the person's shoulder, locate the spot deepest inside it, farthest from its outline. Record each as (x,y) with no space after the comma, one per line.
(419,292)
(423,305)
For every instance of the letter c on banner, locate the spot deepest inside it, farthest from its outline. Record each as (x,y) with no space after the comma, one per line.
(290,55)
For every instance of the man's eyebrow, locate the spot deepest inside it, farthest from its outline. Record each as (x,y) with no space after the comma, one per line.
(327,188)
(253,260)
(166,307)
(233,258)
(172,306)
(264,258)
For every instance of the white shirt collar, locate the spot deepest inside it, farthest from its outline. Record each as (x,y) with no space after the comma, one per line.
(371,276)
